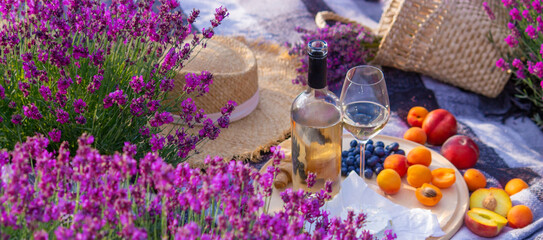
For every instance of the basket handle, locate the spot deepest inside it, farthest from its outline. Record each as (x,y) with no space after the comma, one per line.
(323,16)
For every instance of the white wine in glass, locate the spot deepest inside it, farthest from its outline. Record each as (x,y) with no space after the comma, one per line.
(365,105)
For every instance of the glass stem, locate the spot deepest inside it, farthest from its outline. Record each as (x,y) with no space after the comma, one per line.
(362,166)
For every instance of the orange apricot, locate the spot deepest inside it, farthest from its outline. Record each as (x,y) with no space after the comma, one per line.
(519,216)
(415,134)
(418,174)
(389,181)
(397,162)
(428,195)
(474,179)
(419,155)
(416,116)
(515,185)
(443,177)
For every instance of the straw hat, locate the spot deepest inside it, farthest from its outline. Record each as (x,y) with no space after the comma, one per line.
(257,75)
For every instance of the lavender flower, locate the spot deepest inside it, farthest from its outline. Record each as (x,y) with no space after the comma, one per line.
(2,92)
(531,31)
(137,83)
(55,135)
(16,119)
(45,92)
(489,11)
(80,106)
(515,14)
(157,142)
(62,116)
(32,112)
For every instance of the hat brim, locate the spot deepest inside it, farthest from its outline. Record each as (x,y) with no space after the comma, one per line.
(269,123)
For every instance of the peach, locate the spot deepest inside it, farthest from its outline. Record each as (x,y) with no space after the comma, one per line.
(484,223)
(439,125)
(493,199)
(461,151)
(416,116)
(396,162)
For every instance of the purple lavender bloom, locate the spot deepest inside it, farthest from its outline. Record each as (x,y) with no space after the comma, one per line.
(80,120)
(97,57)
(311,179)
(153,105)
(209,130)
(63,84)
(515,14)
(137,83)
(16,119)
(166,84)
(157,142)
(502,64)
(160,119)
(520,74)
(1,119)
(80,52)
(95,83)
(24,86)
(137,106)
(27,57)
(45,92)
(526,14)
(537,6)
(531,31)
(199,83)
(115,97)
(32,112)
(144,131)
(2,92)
(80,106)
(64,233)
(511,41)
(12,105)
(41,235)
(62,116)
(61,99)
(517,63)
(489,11)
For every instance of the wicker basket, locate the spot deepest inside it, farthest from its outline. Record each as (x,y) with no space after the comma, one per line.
(445,39)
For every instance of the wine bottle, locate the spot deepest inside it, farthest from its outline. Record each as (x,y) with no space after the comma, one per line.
(316,127)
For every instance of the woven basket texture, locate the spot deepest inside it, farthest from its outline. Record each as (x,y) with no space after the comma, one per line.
(453,41)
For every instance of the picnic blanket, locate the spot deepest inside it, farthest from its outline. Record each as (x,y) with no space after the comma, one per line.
(511,145)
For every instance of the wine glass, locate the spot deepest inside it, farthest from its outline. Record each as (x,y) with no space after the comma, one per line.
(365,105)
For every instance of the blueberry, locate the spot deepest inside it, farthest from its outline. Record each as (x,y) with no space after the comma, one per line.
(394,146)
(357,156)
(357,171)
(370,142)
(367,153)
(349,161)
(382,159)
(354,143)
(344,153)
(379,151)
(380,144)
(378,165)
(357,162)
(400,151)
(351,154)
(349,169)
(388,152)
(368,173)
(369,148)
(378,170)
(373,160)
(343,164)
(344,171)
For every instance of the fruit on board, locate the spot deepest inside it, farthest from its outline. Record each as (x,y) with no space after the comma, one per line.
(519,216)
(428,194)
(439,125)
(418,174)
(475,179)
(461,151)
(389,181)
(415,134)
(493,199)
(515,185)
(397,163)
(416,116)
(419,155)
(483,222)
(443,177)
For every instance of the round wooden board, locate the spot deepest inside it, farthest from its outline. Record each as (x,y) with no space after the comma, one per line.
(449,211)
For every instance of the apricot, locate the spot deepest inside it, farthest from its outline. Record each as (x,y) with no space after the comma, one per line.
(519,216)
(416,116)
(428,195)
(443,177)
(415,134)
(515,185)
(419,155)
(474,179)
(439,125)
(417,175)
(389,181)
(397,163)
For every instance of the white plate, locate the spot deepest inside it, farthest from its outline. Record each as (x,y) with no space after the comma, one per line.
(449,211)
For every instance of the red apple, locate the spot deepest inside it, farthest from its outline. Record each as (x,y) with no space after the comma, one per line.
(439,125)
(484,223)
(461,151)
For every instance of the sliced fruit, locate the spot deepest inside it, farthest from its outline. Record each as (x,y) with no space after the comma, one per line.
(493,199)
(484,223)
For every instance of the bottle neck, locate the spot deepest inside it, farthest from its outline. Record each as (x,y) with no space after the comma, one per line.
(316,74)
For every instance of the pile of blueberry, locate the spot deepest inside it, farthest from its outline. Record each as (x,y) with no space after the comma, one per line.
(375,155)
